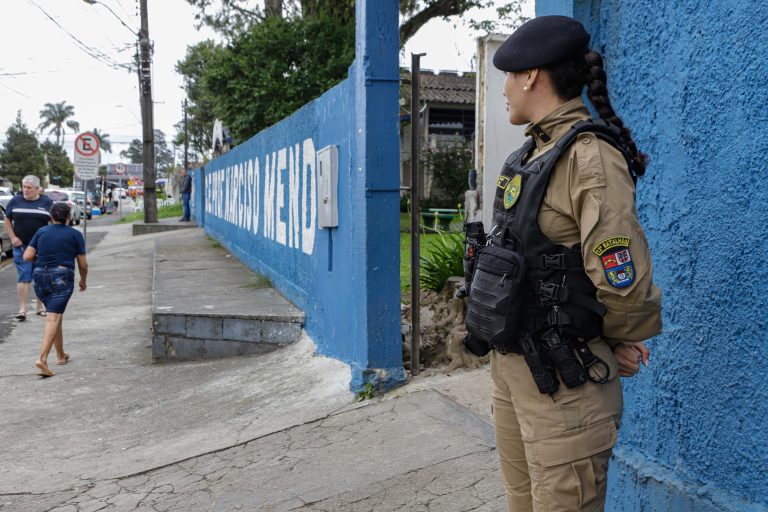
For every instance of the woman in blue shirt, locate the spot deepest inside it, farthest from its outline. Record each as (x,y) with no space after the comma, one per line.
(54,250)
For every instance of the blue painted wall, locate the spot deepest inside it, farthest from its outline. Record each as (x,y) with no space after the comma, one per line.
(690,79)
(260,200)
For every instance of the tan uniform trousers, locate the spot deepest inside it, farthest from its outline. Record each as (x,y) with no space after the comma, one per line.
(554,450)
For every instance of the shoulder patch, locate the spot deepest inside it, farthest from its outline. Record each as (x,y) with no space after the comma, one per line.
(512,191)
(616,260)
(502,181)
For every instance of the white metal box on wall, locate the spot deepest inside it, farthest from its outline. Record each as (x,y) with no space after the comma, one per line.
(328,186)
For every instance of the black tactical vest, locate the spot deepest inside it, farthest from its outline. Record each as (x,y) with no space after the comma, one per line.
(558,291)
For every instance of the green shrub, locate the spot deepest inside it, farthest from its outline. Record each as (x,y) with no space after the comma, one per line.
(443,261)
(448,163)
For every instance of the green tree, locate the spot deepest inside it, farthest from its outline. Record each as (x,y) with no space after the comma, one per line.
(135,152)
(104,143)
(60,168)
(56,116)
(163,154)
(200,102)
(21,154)
(279,65)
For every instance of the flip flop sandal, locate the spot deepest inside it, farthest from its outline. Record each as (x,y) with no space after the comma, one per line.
(42,313)
(43,371)
(21,317)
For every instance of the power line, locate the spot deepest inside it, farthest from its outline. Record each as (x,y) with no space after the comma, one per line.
(17,92)
(113,14)
(94,53)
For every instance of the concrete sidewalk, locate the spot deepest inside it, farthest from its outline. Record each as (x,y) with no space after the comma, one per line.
(279,431)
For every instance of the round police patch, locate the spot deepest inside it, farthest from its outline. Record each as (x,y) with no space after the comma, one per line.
(512,191)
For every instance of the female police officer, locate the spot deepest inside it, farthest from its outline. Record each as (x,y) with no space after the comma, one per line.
(565,204)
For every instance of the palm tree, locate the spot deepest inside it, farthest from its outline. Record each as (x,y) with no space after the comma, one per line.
(103,140)
(56,116)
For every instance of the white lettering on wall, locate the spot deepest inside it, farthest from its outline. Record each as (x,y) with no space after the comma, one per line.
(269,196)
(254,202)
(256,195)
(308,204)
(280,230)
(293,213)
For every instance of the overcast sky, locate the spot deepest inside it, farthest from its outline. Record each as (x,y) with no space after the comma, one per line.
(68,50)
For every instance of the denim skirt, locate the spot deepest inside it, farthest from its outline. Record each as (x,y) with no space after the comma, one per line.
(54,286)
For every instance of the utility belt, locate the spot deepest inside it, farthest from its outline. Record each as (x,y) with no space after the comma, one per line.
(495,319)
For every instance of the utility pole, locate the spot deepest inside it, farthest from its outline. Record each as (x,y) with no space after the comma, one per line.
(145,90)
(186,137)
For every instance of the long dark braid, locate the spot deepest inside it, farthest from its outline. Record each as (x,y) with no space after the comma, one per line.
(597,91)
(569,77)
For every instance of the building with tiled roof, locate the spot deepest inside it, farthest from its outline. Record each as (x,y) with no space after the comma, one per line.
(447,112)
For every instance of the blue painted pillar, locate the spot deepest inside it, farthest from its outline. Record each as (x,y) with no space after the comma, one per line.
(376,176)
(586,11)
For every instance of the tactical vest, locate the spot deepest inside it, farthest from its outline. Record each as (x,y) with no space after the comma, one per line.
(557,290)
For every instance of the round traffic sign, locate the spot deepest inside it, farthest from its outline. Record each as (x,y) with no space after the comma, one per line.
(87,144)
(121,168)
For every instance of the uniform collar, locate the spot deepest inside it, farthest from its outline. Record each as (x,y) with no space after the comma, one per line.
(557,123)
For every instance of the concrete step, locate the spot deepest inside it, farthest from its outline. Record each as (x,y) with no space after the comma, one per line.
(206,304)
(143,228)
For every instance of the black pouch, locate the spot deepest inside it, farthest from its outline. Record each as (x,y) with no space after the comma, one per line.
(496,297)
(477,347)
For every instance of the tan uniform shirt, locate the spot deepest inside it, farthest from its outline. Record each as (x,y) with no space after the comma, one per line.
(590,199)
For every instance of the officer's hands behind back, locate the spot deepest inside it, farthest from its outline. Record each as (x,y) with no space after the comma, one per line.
(629,354)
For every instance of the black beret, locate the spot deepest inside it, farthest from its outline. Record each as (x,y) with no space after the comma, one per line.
(540,42)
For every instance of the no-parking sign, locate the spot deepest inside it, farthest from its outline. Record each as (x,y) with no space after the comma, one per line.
(87,156)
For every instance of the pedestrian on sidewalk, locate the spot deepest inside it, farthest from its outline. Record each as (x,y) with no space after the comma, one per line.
(55,249)
(25,214)
(185,189)
(565,208)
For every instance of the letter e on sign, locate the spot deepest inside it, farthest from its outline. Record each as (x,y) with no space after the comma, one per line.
(87,144)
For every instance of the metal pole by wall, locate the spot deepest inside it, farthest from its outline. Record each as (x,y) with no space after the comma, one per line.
(415,215)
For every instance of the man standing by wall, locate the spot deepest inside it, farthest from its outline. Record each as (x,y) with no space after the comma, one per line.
(25,214)
(185,189)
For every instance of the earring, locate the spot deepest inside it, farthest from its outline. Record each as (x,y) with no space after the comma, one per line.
(525,88)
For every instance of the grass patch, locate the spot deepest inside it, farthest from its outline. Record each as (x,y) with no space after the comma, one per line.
(258,283)
(163,212)
(364,393)
(214,243)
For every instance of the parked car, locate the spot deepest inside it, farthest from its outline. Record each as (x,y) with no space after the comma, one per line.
(88,209)
(6,247)
(67,196)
